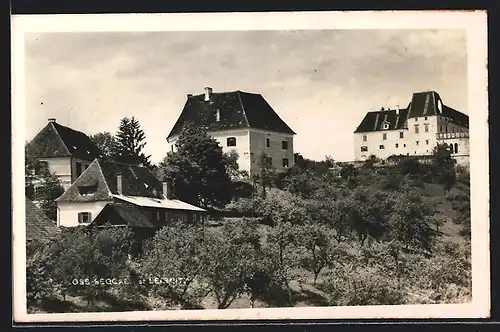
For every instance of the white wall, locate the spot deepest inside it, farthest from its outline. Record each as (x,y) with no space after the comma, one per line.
(62,168)
(67,212)
(275,151)
(408,144)
(250,143)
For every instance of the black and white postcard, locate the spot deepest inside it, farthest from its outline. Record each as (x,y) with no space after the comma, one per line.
(250,166)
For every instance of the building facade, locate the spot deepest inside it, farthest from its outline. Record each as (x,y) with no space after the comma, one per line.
(107,182)
(64,151)
(414,130)
(242,122)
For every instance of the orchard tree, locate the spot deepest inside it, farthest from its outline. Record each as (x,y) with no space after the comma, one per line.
(175,255)
(129,143)
(267,173)
(198,169)
(105,141)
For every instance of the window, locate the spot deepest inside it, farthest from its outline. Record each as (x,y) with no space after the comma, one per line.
(401,134)
(456,148)
(268,142)
(416,142)
(452,129)
(364,149)
(84,217)
(397,145)
(381,147)
(384,136)
(231,141)
(87,190)
(425,118)
(404,145)
(285,162)
(284,145)
(446,128)
(426,127)
(217,115)
(416,119)
(78,169)
(166,215)
(427,142)
(364,138)
(385,126)
(440,128)
(172,148)
(157,215)
(416,129)
(268,161)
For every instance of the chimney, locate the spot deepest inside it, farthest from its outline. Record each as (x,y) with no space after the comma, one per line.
(119,185)
(167,189)
(52,120)
(208,93)
(397,109)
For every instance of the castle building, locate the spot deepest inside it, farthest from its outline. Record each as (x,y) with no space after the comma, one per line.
(239,121)
(414,130)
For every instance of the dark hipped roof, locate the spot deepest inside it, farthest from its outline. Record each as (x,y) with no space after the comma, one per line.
(56,140)
(237,109)
(102,173)
(123,214)
(38,225)
(422,104)
(374,120)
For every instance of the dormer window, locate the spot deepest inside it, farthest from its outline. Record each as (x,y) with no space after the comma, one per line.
(87,190)
(385,126)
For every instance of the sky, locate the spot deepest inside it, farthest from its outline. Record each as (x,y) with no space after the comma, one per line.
(320,82)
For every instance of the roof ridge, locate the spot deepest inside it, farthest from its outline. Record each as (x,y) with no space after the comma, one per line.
(112,161)
(243,108)
(60,138)
(110,193)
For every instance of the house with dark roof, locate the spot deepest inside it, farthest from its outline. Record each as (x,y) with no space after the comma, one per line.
(129,191)
(240,121)
(65,151)
(414,130)
(38,225)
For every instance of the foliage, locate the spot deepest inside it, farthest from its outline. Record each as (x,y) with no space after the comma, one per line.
(175,256)
(91,254)
(39,285)
(443,166)
(198,169)
(105,142)
(129,143)
(267,173)
(230,257)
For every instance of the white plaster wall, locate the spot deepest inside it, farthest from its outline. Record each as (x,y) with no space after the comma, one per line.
(408,145)
(67,212)
(242,145)
(62,168)
(275,151)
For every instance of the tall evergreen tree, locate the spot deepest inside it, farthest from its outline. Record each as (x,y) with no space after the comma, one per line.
(129,143)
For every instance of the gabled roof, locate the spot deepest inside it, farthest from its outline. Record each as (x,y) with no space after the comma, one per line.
(38,225)
(102,175)
(124,214)
(56,140)
(422,104)
(237,110)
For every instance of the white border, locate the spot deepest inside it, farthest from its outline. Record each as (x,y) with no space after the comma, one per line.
(473,21)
